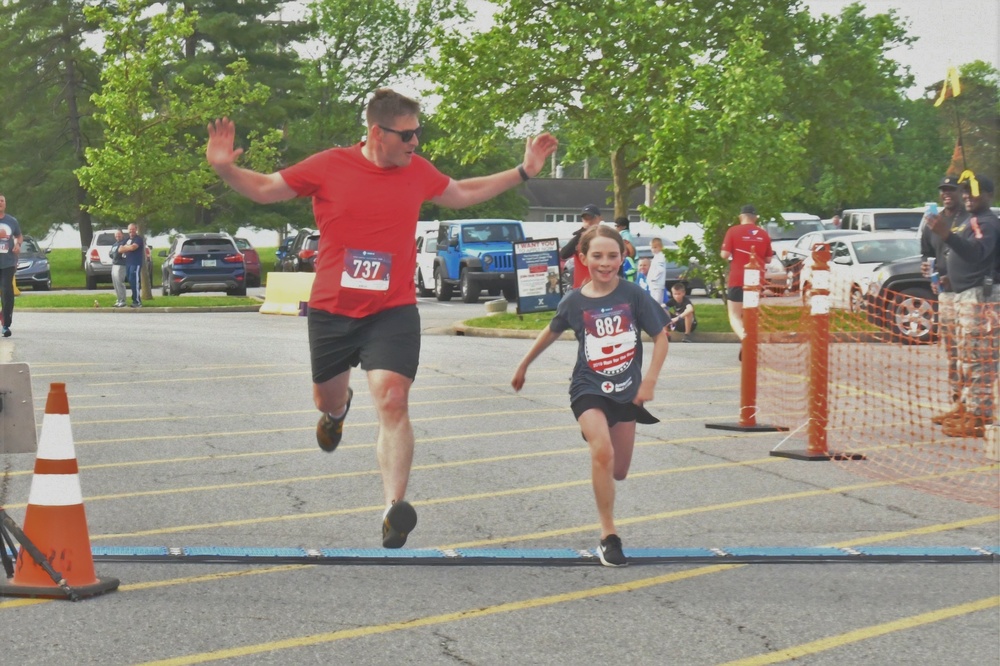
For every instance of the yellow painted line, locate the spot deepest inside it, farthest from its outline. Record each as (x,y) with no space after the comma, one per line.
(866,633)
(680,513)
(579,450)
(917,531)
(202,378)
(170,582)
(424,440)
(542,488)
(432,620)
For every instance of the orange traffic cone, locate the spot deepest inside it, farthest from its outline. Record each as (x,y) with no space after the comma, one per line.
(55,522)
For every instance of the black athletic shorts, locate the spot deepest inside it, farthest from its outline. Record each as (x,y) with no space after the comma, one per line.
(682,324)
(387,340)
(734,294)
(616,412)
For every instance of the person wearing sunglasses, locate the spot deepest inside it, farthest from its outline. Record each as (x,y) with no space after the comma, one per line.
(362,309)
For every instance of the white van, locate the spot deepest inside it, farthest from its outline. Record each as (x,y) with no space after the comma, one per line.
(882,219)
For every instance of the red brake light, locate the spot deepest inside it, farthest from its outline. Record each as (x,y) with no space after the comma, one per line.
(181,259)
(95,255)
(306,254)
(233,259)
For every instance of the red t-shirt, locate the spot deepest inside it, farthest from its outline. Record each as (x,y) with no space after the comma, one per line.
(367,219)
(740,241)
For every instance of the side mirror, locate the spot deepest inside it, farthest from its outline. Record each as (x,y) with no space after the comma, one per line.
(843,261)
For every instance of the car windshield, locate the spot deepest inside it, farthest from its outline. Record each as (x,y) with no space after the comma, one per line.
(28,245)
(792,230)
(312,243)
(890,249)
(208,245)
(107,238)
(898,220)
(242,243)
(492,233)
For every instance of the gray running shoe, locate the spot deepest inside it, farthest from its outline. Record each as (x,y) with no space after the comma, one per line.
(329,431)
(399,521)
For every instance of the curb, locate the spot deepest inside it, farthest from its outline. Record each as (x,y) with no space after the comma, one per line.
(151,308)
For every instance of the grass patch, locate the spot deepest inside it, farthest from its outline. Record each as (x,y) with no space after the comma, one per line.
(66,265)
(712,318)
(103,299)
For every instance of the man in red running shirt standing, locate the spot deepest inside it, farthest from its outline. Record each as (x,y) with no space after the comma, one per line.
(741,240)
(362,310)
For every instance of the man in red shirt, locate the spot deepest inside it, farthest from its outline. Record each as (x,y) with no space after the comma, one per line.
(362,310)
(740,241)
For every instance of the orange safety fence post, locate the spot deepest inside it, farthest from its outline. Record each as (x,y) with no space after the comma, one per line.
(819,363)
(748,353)
(55,559)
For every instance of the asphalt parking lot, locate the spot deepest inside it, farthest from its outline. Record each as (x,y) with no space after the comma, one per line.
(197,430)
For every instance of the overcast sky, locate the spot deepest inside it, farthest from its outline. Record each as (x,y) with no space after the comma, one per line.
(952,32)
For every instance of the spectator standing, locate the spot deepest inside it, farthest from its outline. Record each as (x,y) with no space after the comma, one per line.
(134,250)
(642,273)
(740,242)
(607,390)
(954,215)
(362,310)
(657,276)
(680,310)
(10,250)
(118,269)
(971,260)
(628,261)
(591,217)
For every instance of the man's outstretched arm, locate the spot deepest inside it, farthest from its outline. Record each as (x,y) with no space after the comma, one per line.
(221,156)
(470,191)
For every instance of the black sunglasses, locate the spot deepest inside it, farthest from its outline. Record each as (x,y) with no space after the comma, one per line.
(404,135)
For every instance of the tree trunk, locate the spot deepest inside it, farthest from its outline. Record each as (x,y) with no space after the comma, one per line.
(72,88)
(620,179)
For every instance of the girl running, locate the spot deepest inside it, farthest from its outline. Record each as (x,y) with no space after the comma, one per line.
(607,390)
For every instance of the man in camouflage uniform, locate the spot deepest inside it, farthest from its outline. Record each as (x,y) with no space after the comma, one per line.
(971,258)
(953,214)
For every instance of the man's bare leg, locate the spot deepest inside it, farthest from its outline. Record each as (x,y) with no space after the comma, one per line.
(394,449)
(736,318)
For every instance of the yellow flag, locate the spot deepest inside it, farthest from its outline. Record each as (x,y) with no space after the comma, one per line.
(968,175)
(952,79)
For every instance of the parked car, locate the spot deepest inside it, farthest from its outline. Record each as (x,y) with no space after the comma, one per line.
(426,251)
(251,261)
(302,253)
(282,252)
(33,266)
(854,260)
(801,251)
(881,219)
(901,301)
(97,258)
(473,255)
(203,262)
(783,236)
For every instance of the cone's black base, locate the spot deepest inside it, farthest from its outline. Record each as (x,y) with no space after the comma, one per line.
(809,455)
(102,586)
(743,428)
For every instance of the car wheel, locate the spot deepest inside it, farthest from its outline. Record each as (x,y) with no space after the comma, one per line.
(421,287)
(913,317)
(163,288)
(91,282)
(470,292)
(44,286)
(857,301)
(509,294)
(441,290)
(239,291)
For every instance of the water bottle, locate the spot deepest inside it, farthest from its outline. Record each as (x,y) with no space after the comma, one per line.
(935,277)
(931,209)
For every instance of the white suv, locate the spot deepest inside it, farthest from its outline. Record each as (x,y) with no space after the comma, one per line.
(97,260)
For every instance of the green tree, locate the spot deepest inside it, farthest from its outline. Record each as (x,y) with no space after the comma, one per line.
(267,36)
(45,120)
(357,51)
(153,157)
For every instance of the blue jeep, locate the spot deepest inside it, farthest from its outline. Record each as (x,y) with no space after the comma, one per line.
(474,255)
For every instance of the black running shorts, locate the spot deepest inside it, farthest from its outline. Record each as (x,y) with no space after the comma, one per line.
(387,340)
(734,294)
(615,412)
